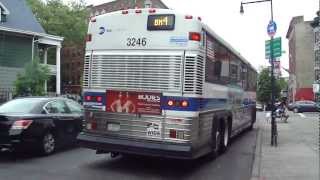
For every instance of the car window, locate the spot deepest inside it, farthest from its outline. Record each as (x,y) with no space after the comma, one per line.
(74,107)
(19,105)
(57,107)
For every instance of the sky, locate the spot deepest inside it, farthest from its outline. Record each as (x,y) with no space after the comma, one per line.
(247,32)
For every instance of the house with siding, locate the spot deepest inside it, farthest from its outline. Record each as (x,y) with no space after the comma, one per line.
(21,40)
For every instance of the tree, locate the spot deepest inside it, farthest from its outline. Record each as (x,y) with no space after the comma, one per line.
(31,82)
(264,87)
(57,18)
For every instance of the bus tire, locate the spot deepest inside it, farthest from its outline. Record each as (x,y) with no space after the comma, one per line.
(225,135)
(216,138)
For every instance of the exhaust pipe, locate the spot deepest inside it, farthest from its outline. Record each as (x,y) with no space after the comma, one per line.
(101,151)
(114,154)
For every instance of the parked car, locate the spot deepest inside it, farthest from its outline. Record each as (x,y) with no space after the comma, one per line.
(41,123)
(303,106)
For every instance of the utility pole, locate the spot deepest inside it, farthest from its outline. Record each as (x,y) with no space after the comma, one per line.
(274,132)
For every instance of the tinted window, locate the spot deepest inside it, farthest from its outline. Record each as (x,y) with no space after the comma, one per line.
(57,107)
(74,107)
(19,106)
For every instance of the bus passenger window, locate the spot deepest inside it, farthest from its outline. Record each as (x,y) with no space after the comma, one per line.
(217,69)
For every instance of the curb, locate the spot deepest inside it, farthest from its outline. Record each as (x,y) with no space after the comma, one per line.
(255,173)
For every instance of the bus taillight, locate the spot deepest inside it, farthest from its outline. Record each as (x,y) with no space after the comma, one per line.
(194,36)
(184,103)
(125,12)
(188,17)
(89,37)
(93,20)
(99,99)
(152,10)
(88,98)
(138,11)
(92,125)
(173,133)
(170,102)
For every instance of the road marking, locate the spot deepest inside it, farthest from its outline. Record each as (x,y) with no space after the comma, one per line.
(301,115)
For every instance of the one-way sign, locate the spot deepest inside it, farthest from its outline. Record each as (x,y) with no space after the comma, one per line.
(272,28)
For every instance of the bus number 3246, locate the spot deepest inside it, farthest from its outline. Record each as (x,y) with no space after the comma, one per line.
(136,42)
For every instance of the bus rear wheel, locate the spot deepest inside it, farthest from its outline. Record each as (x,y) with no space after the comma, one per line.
(225,136)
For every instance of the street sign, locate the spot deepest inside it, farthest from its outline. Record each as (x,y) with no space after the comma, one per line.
(272,28)
(316,88)
(276,47)
(276,68)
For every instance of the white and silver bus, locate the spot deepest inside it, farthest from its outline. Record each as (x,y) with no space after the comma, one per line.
(159,83)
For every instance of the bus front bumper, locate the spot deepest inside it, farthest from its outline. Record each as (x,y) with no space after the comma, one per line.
(126,146)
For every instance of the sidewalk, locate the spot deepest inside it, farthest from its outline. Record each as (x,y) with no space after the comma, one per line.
(297,155)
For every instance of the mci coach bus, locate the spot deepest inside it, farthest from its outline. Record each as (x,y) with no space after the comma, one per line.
(159,83)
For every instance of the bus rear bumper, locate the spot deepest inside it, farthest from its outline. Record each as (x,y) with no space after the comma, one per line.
(147,148)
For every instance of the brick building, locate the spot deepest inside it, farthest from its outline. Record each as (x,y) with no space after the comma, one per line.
(72,68)
(301,59)
(72,57)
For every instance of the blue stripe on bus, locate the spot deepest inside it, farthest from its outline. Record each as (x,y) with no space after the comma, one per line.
(194,104)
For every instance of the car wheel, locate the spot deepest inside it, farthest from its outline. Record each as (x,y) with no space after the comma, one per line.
(296,110)
(224,143)
(48,144)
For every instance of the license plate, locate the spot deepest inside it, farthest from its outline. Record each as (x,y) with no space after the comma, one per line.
(113,127)
(154,130)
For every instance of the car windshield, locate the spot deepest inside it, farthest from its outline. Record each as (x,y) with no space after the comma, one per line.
(19,106)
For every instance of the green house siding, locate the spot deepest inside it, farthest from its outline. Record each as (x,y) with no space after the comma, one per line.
(15,51)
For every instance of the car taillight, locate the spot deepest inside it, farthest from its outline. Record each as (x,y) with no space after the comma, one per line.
(21,124)
(194,36)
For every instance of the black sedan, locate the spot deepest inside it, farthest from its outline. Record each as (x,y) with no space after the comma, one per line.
(303,106)
(41,123)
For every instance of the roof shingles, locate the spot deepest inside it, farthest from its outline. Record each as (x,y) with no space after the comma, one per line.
(20,17)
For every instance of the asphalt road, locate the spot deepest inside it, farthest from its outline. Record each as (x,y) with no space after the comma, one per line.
(84,164)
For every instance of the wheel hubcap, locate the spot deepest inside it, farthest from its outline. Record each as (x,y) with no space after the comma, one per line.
(217,140)
(48,143)
(226,136)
